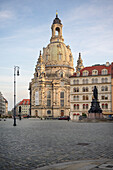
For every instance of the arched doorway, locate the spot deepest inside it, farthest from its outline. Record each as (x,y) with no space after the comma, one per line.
(36,113)
(62,112)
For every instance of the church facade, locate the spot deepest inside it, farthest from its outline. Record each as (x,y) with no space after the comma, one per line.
(50,87)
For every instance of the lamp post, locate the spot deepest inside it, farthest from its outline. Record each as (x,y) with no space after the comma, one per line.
(16,68)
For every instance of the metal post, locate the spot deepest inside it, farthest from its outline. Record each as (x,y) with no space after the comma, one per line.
(15,93)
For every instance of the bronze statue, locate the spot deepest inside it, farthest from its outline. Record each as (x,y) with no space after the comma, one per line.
(95,93)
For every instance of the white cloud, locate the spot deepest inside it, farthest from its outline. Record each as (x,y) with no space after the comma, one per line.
(5,15)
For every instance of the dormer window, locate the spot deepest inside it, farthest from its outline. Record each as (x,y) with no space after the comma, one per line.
(94,72)
(85,73)
(104,72)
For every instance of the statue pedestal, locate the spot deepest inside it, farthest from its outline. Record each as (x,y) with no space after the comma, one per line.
(95,111)
(95,115)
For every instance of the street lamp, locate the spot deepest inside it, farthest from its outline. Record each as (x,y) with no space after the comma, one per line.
(15,68)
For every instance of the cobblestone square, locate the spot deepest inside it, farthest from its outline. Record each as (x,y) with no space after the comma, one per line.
(36,143)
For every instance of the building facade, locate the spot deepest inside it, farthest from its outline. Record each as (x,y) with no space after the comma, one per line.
(24,107)
(82,83)
(50,87)
(3,106)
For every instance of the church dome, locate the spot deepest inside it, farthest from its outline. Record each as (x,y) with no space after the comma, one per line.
(58,54)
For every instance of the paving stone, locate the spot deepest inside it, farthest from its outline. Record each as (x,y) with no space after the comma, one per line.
(34,144)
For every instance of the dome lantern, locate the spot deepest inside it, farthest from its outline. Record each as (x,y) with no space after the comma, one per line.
(56,30)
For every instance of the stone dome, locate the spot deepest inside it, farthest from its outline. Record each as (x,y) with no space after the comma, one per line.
(58,54)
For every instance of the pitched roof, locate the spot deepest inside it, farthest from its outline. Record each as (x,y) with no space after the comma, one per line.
(25,102)
(99,68)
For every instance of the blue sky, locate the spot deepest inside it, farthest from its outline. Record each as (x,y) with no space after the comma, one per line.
(25,28)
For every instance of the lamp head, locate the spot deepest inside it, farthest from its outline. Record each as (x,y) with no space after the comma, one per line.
(18,72)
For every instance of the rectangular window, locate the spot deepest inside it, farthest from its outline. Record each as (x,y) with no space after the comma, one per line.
(61,102)
(36,98)
(48,102)
(61,94)
(46,57)
(48,94)
(59,56)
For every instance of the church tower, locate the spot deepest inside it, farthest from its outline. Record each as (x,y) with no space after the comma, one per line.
(50,87)
(57,30)
(79,63)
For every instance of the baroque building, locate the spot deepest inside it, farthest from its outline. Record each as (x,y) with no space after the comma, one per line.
(50,87)
(82,83)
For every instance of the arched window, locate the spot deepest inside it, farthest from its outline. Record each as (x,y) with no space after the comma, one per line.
(75,106)
(104,72)
(77,97)
(77,89)
(106,88)
(106,80)
(87,89)
(102,105)
(74,89)
(83,89)
(77,81)
(74,81)
(95,72)
(87,97)
(93,80)
(74,98)
(106,106)
(102,80)
(85,73)
(96,80)
(57,31)
(83,106)
(86,106)
(36,113)
(84,97)
(83,81)
(61,74)
(86,81)
(102,88)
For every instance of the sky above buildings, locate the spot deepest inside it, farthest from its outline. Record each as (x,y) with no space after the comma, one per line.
(25,28)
